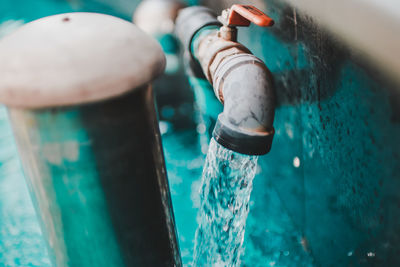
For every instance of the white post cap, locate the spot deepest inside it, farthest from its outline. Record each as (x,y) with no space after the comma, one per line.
(75,58)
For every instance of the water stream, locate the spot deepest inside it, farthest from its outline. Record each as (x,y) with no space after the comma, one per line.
(227,183)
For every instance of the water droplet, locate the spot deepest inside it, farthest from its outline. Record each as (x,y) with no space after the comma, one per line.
(201,128)
(258,169)
(164,127)
(289,130)
(350,253)
(371,254)
(296,162)
(204,148)
(286,253)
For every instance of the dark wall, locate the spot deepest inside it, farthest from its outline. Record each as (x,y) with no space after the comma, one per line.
(327,194)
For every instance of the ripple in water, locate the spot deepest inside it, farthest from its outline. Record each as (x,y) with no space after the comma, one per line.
(227,183)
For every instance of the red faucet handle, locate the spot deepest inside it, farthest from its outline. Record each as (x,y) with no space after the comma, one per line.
(242,15)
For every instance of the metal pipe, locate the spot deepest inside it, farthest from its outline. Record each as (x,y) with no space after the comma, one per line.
(77,88)
(157,17)
(240,81)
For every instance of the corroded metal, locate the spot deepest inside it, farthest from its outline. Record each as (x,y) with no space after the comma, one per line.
(240,81)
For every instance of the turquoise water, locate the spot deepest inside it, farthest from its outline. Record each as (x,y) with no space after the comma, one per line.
(227,183)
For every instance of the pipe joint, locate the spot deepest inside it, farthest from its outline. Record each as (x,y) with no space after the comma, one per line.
(240,80)
(212,49)
(244,85)
(190,20)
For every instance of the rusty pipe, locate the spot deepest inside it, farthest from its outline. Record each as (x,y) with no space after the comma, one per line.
(240,80)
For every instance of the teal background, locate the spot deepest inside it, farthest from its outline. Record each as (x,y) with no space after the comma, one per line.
(337,118)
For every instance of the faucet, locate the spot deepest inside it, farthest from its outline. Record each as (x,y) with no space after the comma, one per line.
(240,80)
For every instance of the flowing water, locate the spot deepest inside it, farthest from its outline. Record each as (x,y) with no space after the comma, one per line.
(227,183)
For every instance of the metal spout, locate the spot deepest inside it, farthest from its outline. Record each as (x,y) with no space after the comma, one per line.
(240,81)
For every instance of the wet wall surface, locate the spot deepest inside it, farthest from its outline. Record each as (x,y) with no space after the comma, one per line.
(327,194)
